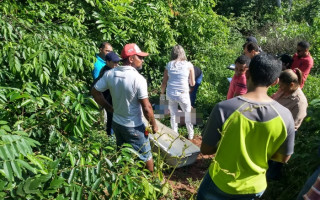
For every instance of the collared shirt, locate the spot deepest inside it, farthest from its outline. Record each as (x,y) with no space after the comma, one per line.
(304,64)
(297,104)
(98,65)
(127,87)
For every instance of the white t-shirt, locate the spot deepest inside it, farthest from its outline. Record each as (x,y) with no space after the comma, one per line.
(126,87)
(178,82)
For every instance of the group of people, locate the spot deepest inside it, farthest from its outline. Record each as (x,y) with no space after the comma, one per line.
(122,92)
(252,134)
(244,132)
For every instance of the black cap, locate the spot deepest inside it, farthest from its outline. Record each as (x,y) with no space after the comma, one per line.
(252,39)
(112,56)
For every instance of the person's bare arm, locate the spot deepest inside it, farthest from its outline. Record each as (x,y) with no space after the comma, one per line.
(207,150)
(99,98)
(192,80)
(164,81)
(280,158)
(148,113)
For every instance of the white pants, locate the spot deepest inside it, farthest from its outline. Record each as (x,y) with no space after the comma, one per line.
(184,101)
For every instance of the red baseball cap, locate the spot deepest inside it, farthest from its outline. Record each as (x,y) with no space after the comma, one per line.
(132,49)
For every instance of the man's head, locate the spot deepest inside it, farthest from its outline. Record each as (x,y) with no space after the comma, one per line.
(112,59)
(250,49)
(286,61)
(104,49)
(251,39)
(133,56)
(264,70)
(303,49)
(242,64)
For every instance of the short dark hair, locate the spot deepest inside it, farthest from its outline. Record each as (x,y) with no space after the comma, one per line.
(251,39)
(251,46)
(243,60)
(264,69)
(286,58)
(304,44)
(103,44)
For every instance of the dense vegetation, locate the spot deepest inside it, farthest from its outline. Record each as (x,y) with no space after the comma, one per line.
(52,142)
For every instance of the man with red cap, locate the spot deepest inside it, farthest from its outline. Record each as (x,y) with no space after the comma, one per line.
(129,93)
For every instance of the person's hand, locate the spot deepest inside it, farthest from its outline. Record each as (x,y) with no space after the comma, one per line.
(155,129)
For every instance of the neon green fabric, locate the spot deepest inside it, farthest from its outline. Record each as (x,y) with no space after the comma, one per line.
(241,161)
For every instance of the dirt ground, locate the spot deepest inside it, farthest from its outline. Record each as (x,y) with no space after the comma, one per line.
(185,180)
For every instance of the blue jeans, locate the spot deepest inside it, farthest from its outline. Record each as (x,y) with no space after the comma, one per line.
(193,94)
(134,136)
(209,191)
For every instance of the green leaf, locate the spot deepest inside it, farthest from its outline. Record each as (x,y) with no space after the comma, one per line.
(99,168)
(72,159)
(8,171)
(78,131)
(2,184)
(17,64)
(109,162)
(6,128)
(79,193)
(3,122)
(35,161)
(44,157)
(88,182)
(27,166)
(83,114)
(46,97)
(42,13)
(129,183)
(93,175)
(57,183)
(70,179)
(16,169)
(31,186)
(90,195)
(96,184)
(21,148)
(3,153)
(17,96)
(8,150)
(26,102)
(92,101)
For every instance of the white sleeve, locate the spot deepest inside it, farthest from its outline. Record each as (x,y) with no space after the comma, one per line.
(102,84)
(142,88)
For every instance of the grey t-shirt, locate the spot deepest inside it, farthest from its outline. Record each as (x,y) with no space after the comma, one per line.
(255,111)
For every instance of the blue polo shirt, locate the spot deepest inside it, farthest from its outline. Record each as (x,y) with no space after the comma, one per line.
(98,65)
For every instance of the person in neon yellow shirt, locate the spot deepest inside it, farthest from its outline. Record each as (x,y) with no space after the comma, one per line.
(244,133)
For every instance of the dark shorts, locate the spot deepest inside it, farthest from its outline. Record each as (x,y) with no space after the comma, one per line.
(209,191)
(134,136)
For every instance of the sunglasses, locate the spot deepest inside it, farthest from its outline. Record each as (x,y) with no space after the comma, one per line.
(140,57)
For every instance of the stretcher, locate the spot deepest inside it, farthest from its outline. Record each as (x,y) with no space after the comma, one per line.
(176,150)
